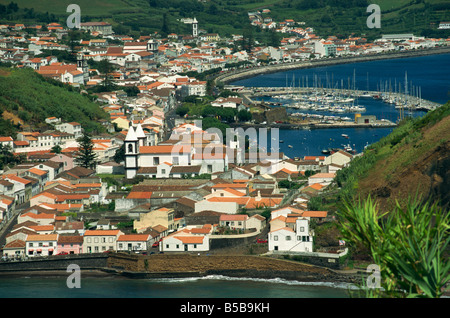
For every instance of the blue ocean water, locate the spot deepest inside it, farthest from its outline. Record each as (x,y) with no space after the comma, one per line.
(430,73)
(206,287)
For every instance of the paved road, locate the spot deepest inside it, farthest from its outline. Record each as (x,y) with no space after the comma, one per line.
(6,229)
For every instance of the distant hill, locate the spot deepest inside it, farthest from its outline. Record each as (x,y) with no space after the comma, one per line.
(27,99)
(413,160)
(327,17)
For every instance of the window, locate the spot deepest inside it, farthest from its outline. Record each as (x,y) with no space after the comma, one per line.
(288,238)
(302,229)
(275,237)
(31,245)
(163,171)
(130,148)
(156,161)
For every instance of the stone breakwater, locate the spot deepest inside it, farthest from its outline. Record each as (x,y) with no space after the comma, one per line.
(232,76)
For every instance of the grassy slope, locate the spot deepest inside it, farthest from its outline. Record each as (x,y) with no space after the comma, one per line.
(412,160)
(26,95)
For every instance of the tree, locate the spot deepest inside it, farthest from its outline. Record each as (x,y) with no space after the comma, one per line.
(248,39)
(244,115)
(119,156)
(56,149)
(6,156)
(182,110)
(106,68)
(165,25)
(86,157)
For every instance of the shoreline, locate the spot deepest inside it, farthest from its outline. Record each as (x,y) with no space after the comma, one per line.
(288,276)
(283,67)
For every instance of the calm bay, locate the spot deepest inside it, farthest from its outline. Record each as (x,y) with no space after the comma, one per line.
(430,73)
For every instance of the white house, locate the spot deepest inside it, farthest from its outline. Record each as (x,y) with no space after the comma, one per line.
(340,157)
(73,128)
(98,241)
(286,239)
(134,242)
(190,239)
(41,245)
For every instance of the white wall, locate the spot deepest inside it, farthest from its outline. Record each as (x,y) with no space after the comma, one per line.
(223,207)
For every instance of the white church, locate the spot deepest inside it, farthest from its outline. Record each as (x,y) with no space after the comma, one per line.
(190,151)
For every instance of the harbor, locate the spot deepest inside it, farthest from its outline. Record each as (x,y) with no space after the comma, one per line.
(377,87)
(337,100)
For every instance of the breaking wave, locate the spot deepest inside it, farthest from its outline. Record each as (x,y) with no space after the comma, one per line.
(257,280)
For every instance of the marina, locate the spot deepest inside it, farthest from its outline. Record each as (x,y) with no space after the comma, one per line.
(378,86)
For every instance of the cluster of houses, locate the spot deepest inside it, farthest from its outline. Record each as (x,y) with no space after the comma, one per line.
(138,59)
(193,185)
(172,208)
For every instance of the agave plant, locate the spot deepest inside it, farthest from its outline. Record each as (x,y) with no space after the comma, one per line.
(407,244)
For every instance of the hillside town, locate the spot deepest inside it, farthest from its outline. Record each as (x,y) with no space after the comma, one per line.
(178,187)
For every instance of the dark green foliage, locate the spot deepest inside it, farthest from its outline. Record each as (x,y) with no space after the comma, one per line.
(119,156)
(7,157)
(244,115)
(86,157)
(182,110)
(224,114)
(407,244)
(210,122)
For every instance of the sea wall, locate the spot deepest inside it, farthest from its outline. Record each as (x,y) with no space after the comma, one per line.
(175,266)
(232,76)
(59,262)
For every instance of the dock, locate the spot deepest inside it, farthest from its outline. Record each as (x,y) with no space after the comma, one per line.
(401,101)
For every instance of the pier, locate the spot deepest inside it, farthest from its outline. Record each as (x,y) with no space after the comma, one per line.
(401,101)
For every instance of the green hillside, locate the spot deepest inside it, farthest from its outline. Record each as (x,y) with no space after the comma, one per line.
(411,161)
(26,98)
(328,17)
